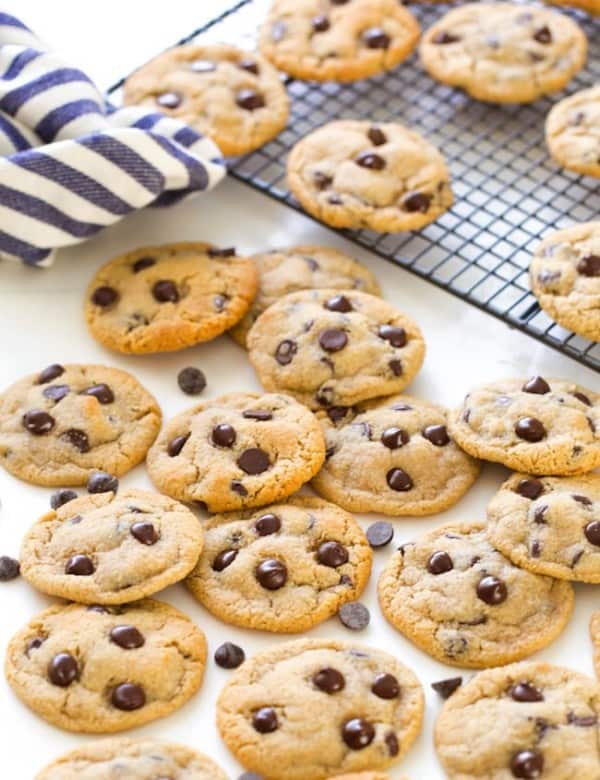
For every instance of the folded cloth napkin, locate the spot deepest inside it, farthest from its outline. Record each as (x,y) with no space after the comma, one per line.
(70,163)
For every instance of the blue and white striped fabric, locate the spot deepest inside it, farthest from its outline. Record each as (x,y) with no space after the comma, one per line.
(71,164)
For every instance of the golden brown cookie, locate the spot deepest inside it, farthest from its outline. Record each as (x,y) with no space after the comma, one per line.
(573,132)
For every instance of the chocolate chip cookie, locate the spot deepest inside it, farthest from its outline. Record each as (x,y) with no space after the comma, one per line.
(549,525)
(234,97)
(109,548)
(306,709)
(595,636)
(573,131)
(394,456)
(284,568)
(237,451)
(503,52)
(103,669)
(59,425)
(137,759)
(527,720)
(164,298)
(337,40)
(534,425)
(331,348)
(284,271)
(565,277)
(462,602)
(354,174)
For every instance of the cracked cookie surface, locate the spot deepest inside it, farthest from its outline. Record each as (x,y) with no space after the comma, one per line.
(462,602)
(234,97)
(525,720)
(237,451)
(283,568)
(59,425)
(573,131)
(305,709)
(337,40)
(394,456)
(109,548)
(164,298)
(105,669)
(283,271)
(503,52)
(329,348)
(534,425)
(132,759)
(354,174)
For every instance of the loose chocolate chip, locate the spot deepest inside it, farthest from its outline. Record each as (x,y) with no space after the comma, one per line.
(417,202)
(127,637)
(229,656)
(265,720)
(338,303)
(61,497)
(142,263)
(49,373)
(376,38)
(395,336)
(584,500)
(165,291)
(249,99)
(145,533)
(56,392)
(102,482)
(271,574)
(267,524)
(262,415)
(191,380)
(34,644)
(223,435)
(445,688)
(254,461)
(444,38)
(38,422)
(215,251)
(386,686)
(175,446)
(399,480)
(251,66)
(439,563)
(224,559)
(530,429)
(391,741)
(332,554)
(354,615)
(393,438)
(543,35)
(492,590)
(370,160)
(380,533)
(285,352)
(63,670)
(80,565)
(169,100)
(527,764)
(105,296)
(436,434)
(592,532)
(376,136)
(101,392)
(585,721)
(78,439)
(238,488)
(536,384)
(203,66)
(526,692)
(128,696)
(358,733)
(329,680)
(320,23)
(333,339)
(530,488)
(9,568)
(589,266)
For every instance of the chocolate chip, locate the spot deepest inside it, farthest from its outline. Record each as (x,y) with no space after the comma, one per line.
(333,339)
(386,686)
(267,524)
(56,392)
(539,516)
(391,741)
(543,35)
(34,644)
(444,38)
(271,574)
(191,380)
(445,688)
(165,291)
(251,66)
(262,415)
(527,764)
(584,500)
(358,733)
(524,691)
(337,413)
(219,302)
(61,497)
(265,720)
(38,422)
(78,439)
(142,263)
(278,31)
(254,461)
(320,23)
(145,533)
(322,180)
(354,615)
(9,568)
(335,200)
(530,488)
(215,251)
(492,590)
(393,438)
(98,609)
(63,670)
(338,303)
(380,533)
(224,559)
(592,532)
(399,480)
(102,482)
(376,38)
(238,488)
(285,352)
(80,565)
(536,385)
(202,66)
(376,136)
(128,696)
(229,656)
(585,721)
(530,429)
(370,160)
(436,434)
(105,296)
(332,554)
(223,435)
(101,392)
(589,266)
(439,563)
(127,637)
(329,680)
(250,776)
(417,202)
(49,373)
(175,446)
(169,100)
(396,336)
(249,99)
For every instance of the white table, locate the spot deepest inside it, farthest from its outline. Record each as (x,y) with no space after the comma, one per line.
(41,322)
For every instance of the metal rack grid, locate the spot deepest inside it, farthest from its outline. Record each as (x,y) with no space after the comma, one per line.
(508,192)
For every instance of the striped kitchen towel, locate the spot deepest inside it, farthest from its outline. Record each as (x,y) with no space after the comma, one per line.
(71,164)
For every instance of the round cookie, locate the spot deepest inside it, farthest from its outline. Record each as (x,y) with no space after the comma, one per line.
(284,271)
(337,41)
(573,131)
(503,52)
(59,425)
(532,425)
(100,669)
(354,174)
(394,456)
(525,720)
(549,525)
(284,568)
(164,298)
(328,348)
(462,602)
(237,451)
(138,759)
(565,277)
(109,548)
(305,709)
(234,97)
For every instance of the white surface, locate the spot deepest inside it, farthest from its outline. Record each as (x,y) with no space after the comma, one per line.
(41,323)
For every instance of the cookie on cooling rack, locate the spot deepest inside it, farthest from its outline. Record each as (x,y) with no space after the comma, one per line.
(572,132)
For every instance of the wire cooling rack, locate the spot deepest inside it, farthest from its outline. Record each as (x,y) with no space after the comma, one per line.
(508,191)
